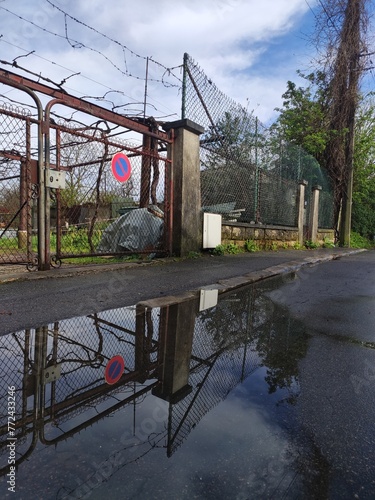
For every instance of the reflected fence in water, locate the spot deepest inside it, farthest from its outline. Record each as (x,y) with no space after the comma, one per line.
(188,358)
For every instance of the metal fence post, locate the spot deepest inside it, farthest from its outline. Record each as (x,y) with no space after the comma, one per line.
(41,180)
(301,211)
(314,214)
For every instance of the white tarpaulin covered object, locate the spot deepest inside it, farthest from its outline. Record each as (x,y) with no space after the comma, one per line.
(135,231)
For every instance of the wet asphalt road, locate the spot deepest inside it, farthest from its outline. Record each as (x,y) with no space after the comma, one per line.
(333,301)
(35,302)
(336,303)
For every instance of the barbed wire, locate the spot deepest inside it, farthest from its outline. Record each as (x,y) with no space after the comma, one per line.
(124,47)
(133,107)
(78,44)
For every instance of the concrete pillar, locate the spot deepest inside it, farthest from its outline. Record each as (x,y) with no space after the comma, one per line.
(314,214)
(301,211)
(187,216)
(175,348)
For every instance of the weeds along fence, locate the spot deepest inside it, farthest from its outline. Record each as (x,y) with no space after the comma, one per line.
(247,173)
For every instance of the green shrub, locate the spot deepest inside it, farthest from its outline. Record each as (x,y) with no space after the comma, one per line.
(251,246)
(219,250)
(232,248)
(311,244)
(358,241)
(328,243)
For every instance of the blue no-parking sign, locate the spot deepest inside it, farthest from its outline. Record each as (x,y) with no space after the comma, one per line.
(114,369)
(121,167)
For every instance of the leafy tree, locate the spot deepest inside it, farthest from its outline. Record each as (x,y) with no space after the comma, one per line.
(363,220)
(303,118)
(321,117)
(303,121)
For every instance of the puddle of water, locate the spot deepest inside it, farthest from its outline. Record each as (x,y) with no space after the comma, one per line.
(205,405)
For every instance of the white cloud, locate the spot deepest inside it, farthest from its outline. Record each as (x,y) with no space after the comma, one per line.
(230,39)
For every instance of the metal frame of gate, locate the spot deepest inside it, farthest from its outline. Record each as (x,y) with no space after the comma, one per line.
(155,151)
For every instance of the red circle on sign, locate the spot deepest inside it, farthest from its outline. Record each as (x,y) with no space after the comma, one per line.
(114,370)
(121,167)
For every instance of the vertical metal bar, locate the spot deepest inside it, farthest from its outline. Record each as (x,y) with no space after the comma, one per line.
(47,213)
(145,173)
(58,199)
(54,359)
(184,75)
(22,226)
(146,83)
(38,371)
(256,194)
(41,180)
(26,368)
(29,215)
(168,216)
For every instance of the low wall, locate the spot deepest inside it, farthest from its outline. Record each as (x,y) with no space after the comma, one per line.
(266,236)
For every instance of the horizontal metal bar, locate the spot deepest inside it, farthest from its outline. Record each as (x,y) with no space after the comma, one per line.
(8,78)
(9,178)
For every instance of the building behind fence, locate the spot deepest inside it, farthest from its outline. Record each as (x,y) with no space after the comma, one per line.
(247,174)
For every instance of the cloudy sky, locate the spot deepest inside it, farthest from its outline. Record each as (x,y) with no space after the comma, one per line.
(248,48)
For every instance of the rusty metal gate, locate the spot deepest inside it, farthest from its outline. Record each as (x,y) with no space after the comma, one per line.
(61,196)
(18,187)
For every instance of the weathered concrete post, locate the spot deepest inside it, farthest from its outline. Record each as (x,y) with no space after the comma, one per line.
(187,216)
(314,214)
(176,342)
(301,211)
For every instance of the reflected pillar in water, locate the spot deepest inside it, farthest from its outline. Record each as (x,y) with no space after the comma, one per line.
(177,323)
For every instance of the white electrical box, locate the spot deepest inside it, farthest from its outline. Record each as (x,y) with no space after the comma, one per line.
(211,230)
(55,179)
(208,299)
(52,373)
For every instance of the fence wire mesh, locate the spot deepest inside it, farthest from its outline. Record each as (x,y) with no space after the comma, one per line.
(96,214)
(78,350)
(18,243)
(103,209)
(247,174)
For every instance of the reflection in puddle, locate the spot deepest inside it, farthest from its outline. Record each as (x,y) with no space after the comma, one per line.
(204,406)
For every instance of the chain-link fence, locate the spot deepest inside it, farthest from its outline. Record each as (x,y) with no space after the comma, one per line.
(247,173)
(18,241)
(96,214)
(58,372)
(94,183)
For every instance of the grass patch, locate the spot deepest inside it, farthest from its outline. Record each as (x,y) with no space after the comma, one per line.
(358,241)
(251,246)
(99,260)
(229,248)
